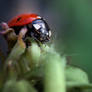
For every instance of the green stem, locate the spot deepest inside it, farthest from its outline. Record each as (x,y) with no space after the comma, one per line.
(54,73)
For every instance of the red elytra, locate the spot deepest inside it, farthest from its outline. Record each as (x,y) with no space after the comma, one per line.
(23,19)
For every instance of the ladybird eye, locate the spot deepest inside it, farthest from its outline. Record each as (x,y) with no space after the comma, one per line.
(36,26)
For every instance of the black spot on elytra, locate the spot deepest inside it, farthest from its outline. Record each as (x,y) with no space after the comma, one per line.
(18,19)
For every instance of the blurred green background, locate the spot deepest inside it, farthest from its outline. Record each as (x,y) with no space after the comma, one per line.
(69,20)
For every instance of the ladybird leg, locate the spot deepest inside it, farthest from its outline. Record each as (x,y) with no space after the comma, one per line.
(21,35)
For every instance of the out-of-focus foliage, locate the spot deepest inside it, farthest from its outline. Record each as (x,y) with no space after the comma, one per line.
(76,31)
(18,86)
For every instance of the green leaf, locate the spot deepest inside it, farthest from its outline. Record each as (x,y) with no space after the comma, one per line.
(54,73)
(75,77)
(76,74)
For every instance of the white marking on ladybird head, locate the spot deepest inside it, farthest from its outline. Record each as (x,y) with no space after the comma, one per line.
(36,26)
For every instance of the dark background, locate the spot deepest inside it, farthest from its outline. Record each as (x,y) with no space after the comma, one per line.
(69,20)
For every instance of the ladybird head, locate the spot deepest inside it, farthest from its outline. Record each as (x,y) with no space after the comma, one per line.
(41,30)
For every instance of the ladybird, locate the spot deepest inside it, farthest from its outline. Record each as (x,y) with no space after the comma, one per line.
(31,25)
